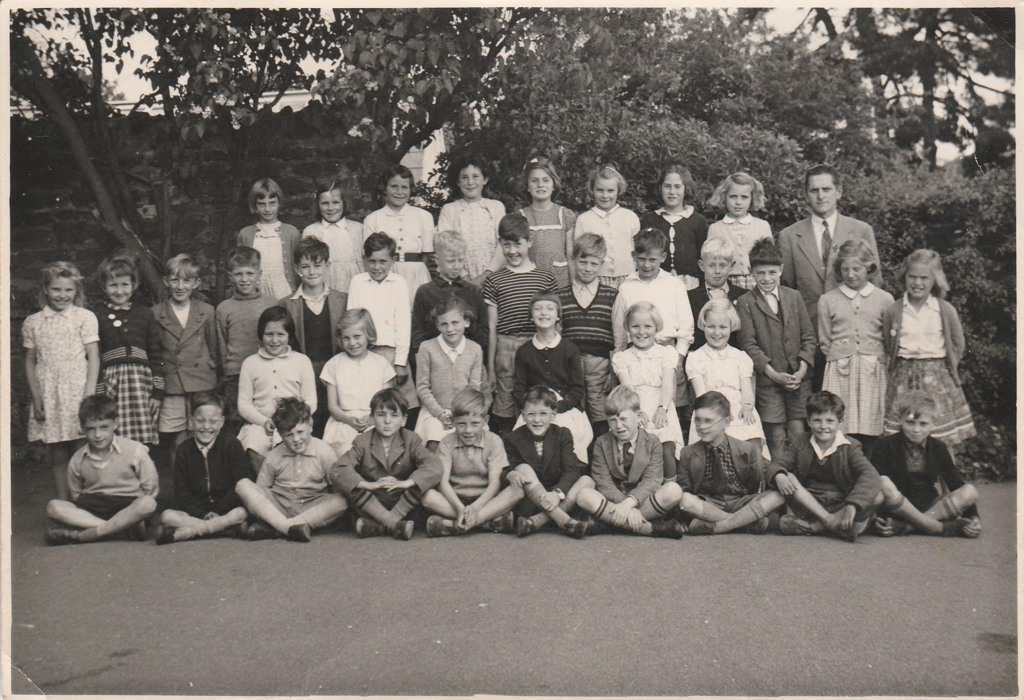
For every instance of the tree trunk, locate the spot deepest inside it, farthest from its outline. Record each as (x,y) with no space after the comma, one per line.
(31,79)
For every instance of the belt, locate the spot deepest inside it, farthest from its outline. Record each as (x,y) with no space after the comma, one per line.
(412,257)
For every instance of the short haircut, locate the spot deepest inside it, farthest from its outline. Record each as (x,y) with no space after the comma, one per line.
(914,404)
(857,250)
(514,227)
(469,402)
(765,252)
(289,412)
(546,296)
(607,172)
(742,179)
(379,241)
(183,267)
(644,307)
(264,188)
(97,407)
(327,185)
(389,400)
(684,173)
(398,170)
(822,169)
(65,270)
(462,162)
(825,402)
(923,256)
(359,317)
(542,163)
(243,256)
(276,314)
(119,265)
(719,306)
(620,399)
(650,240)
(718,248)
(715,400)
(541,394)
(451,302)
(313,249)
(589,244)
(449,242)
(207,398)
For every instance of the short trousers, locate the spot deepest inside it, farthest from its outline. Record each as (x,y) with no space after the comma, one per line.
(729,504)
(102,505)
(290,507)
(833,500)
(776,405)
(174,412)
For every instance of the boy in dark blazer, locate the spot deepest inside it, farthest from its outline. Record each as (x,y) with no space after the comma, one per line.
(626,468)
(545,466)
(825,478)
(188,336)
(316,309)
(716,258)
(776,332)
(722,477)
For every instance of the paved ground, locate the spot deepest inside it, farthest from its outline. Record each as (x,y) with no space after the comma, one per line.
(612,615)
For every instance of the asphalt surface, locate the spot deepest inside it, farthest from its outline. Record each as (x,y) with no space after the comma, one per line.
(492,614)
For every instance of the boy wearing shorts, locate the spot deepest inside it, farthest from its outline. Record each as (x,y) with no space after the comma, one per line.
(112,482)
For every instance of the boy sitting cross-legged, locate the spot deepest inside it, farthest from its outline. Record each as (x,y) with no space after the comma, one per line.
(627,474)
(546,468)
(290,495)
(206,470)
(722,476)
(826,477)
(472,461)
(387,470)
(112,482)
(910,462)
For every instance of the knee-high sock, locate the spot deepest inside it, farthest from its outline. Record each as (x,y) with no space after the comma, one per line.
(367,503)
(323,513)
(904,510)
(409,501)
(535,491)
(747,515)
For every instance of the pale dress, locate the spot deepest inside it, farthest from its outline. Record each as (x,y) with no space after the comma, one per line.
(59,340)
(354,382)
(478,224)
(725,371)
(551,229)
(345,241)
(642,371)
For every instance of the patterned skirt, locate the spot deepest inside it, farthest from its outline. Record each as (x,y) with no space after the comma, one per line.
(861,382)
(953,424)
(131,386)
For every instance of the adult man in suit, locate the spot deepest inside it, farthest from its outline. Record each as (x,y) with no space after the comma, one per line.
(809,246)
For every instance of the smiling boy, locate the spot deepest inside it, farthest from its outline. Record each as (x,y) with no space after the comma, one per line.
(825,478)
(111,480)
(716,260)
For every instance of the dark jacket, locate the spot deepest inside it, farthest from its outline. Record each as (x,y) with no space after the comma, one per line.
(698,298)
(190,353)
(408,458)
(780,340)
(645,475)
(204,484)
(890,459)
(558,467)
(745,458)
(851,470)
(952,332)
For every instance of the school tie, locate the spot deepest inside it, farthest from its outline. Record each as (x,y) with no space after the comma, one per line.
(627,459)
(826,244)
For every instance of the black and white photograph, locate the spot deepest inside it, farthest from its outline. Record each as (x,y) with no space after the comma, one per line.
(518,351)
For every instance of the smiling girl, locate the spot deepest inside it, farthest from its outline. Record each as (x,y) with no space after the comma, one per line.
(474,216)
(344,237)
(551,225)
(738,195)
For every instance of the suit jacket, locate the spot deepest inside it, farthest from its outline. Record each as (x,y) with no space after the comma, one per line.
(745,458)
(645,475)
(336,304)
(698,298)
(408,458)
(190,353)
(801,261)
(290,238)
(771,340)
(852,471)
(205,484)
(952,332)
(558,467)
(890,459)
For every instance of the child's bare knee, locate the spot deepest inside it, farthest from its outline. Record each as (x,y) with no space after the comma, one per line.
(244,485)
(670,493)
(878,499)
(588,500)
(53,508)
(527,472)
(584,482)
(968,494)
(146,505)
(690,503)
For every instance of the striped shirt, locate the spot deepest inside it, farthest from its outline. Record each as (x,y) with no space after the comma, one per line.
(589,328)
(511,292)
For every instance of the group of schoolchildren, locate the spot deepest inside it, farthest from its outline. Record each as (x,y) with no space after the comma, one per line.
(507,371)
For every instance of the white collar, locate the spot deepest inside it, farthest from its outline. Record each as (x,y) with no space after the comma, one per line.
(818,221)
(267,356)
(392,276)
(340,223)
(546,346)
(589,287)
(266,229)
(299,294)
(388,211)
(115,446)
(836,444)
(864,291)
(931,302)
(745,219)
(661,273)
(605,214)
(48,311)
(449,350)
(686,213)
